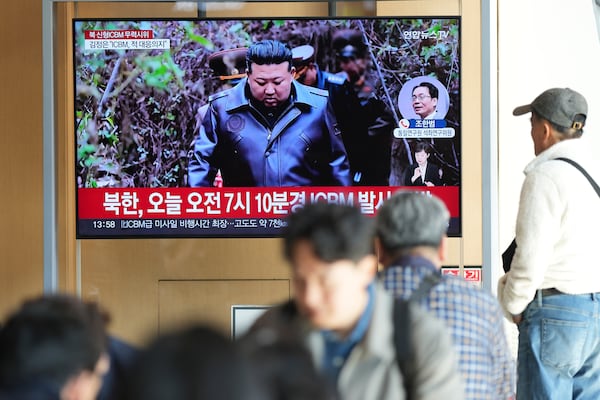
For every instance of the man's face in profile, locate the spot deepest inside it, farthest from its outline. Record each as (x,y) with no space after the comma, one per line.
(309,75)
(270,84)
(422,102)
(331,295)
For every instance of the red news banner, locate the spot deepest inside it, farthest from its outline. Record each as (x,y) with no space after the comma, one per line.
(179,203)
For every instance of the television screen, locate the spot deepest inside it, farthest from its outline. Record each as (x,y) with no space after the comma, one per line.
(222,127)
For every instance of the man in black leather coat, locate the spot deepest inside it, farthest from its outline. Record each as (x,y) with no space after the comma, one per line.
(269,130)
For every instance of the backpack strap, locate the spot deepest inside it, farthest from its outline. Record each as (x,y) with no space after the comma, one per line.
(583,171)
(402,336)
(402,342)
(428,282)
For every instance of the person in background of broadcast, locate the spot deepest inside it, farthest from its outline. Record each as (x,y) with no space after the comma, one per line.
(269,130)
(54,347)
(309,73)
(552,289)
(425,99)
(346,319)
(365,120)
(411,241)
(229,67)
(423,173)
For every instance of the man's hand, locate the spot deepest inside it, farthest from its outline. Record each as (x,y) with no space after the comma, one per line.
(517,318)
(416,175)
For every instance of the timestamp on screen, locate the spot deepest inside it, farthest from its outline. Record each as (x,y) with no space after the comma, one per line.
(104,224)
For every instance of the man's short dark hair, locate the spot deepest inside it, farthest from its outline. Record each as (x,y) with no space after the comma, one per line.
(433,90)
(194,362)
(336,232)
(51,339)
(268,52)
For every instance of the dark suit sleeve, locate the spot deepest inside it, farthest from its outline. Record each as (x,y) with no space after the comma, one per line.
(338,164)
(433,174)
(408,174)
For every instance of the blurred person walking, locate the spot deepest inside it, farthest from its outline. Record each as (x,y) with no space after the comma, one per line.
(53,348)
(346,319)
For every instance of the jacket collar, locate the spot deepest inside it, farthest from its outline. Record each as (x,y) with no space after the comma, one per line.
(570,148)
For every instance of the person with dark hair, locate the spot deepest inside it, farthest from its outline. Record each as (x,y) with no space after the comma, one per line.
(269,130)
(192,363)
(53,347)
(425,99)
(424,172)
(229,67)
(552,290)
(346,320)
(366,121)
(411,241)
(284,365)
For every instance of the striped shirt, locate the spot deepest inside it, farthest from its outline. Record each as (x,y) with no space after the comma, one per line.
(475,321)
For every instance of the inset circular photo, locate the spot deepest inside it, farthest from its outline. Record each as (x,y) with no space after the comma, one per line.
(423,97)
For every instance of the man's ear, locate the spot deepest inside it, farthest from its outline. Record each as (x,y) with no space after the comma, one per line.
(443,249)
(368,266)
(382,256)
(293,70)
(549,136)
(86,382)
(378,249)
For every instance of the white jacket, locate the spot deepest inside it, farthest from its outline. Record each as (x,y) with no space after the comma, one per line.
(557,227)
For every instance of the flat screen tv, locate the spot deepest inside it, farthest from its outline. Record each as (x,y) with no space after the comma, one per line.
(164,108)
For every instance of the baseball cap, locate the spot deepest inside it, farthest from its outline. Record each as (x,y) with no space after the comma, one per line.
(561,106)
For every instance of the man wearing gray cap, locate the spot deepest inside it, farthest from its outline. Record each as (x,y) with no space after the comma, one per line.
(552,289)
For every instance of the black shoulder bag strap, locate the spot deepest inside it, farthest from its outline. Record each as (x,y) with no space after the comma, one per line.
(509,253)
(583,171)
(402,319)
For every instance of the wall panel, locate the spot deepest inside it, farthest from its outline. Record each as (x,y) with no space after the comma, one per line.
(185,302)
(21,203)
(419,7)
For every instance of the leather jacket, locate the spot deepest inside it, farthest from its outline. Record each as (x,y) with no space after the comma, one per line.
(304,147)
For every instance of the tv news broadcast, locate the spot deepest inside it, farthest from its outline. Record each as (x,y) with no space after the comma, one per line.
(222,127)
